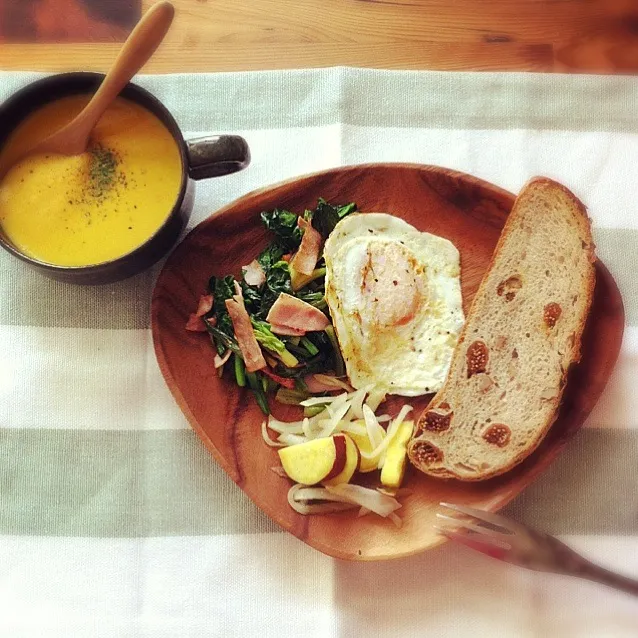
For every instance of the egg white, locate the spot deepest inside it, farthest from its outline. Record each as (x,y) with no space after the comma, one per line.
(398,331)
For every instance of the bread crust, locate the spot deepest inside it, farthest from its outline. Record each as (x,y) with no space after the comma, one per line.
(424,458)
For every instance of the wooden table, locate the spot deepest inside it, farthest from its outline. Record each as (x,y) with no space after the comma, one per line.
(232,35)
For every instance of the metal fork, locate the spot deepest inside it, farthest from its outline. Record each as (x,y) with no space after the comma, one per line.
(514,543)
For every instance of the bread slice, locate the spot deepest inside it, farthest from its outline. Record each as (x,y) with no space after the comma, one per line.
(522,333)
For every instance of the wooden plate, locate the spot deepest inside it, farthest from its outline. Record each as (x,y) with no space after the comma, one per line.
(465,210)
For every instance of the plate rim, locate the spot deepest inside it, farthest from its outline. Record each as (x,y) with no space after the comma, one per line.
(232,208)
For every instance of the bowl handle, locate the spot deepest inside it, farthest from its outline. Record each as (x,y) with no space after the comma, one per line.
(216,155)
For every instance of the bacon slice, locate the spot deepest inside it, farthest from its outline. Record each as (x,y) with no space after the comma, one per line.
(194,323)
(250,350)
(254,274)
(290,312)
(306,257)
(287,383)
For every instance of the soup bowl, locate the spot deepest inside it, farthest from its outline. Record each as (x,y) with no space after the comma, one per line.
(201,158)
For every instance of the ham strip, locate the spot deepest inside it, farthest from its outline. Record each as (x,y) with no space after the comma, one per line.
(290,312)
(254,274)
(286,331)
(250,350)
(306,257)
(195,324)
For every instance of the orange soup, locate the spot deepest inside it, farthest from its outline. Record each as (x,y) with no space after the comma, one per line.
(94,207)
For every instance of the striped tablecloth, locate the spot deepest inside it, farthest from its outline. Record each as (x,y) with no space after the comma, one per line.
(114,520)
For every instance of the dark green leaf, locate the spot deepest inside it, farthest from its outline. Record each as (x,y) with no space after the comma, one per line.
(252,298)
(315,299)
(222,288)
(270,255)
(255,383)
(283,224)
(326,216)
(222,339)
(339,366)
(277,281)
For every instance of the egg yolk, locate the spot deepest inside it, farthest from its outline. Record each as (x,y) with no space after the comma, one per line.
(392,285)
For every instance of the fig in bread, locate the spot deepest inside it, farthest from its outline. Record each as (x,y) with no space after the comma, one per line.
(522,333)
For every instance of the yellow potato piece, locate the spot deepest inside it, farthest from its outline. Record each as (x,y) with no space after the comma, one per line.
(311,462)
(365,445)
(352,463)
(396,456)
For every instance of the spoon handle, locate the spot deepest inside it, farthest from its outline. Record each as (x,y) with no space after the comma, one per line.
(138,48)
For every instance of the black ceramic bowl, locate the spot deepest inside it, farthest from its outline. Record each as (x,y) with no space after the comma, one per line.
(201,158)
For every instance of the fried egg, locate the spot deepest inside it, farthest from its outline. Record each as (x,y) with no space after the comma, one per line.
(394,295)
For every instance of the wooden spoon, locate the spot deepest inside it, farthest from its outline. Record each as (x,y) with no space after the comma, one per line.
(73,138)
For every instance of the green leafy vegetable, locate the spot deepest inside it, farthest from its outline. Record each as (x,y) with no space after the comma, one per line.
(222,339)
(326,216)
(270,255)
(313,410)
(271,342)
(277,281)
(340,369)
(315,299)
(252,298)
(283,224)
(309,346)
(240,371)
(256,386)
(289,357)
(222,288)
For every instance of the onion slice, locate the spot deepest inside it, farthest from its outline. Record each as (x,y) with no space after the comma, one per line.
(334,421)
(220,361)
(381,447)
(380,504)
(376,433)
(294,427)
(356,405)
(320,400)
(375,398)
(299,495)
(267,439)
(291,439)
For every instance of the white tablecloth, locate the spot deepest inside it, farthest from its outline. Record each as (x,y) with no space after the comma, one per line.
(114,520)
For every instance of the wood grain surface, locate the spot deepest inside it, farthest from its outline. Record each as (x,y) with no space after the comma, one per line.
(465,210)
(216,35)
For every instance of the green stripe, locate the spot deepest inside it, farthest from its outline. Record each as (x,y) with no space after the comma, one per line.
(117,484)
(29,299)
(164,483)
(372,97)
